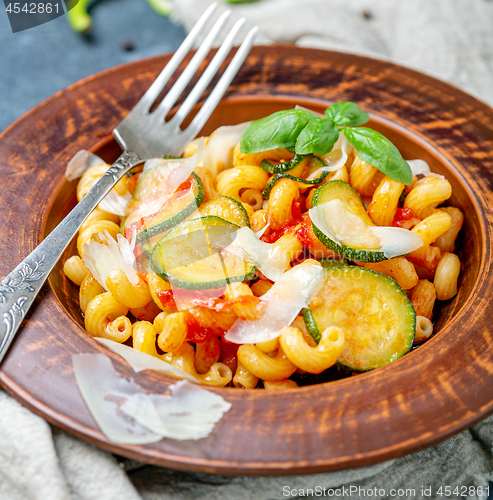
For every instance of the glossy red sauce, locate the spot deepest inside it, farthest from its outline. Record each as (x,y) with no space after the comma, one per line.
(402,215)
(303,233)
(196,332)
(166,298)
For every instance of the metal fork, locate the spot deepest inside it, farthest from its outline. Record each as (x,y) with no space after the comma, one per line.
(141,135)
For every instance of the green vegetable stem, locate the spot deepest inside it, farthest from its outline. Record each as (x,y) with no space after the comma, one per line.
(78,17)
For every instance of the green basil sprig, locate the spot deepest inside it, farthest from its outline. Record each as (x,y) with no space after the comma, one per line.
(304,133)
(378,151)
(347,114)
(318,137)
(279,130)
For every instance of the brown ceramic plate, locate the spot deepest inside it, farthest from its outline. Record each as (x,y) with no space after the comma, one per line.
(431,393)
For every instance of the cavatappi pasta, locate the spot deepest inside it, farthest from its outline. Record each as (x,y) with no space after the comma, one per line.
(175,309)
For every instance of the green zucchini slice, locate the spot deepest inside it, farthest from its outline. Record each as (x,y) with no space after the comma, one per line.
(268,187)
(226,208)
(183,202)
(282,167)
(193,255)
(353,247)
(377,317)
(328,263)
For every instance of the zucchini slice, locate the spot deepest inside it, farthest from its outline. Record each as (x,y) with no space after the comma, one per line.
(354,247)
(193,255)
(302,163)
(341,223)
(282,167)
(328,263)
(268,187)
(226,208)
(183,202)
(378,319)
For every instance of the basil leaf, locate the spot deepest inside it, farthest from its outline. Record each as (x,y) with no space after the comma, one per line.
(347,114)
(318,137)
(378,151)
(279,130)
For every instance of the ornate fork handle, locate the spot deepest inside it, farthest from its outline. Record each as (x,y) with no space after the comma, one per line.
(19,289)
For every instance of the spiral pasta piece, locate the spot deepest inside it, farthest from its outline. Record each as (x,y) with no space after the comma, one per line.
(230,182)
(105,317)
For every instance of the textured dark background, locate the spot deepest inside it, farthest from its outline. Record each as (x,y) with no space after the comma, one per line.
(36,63)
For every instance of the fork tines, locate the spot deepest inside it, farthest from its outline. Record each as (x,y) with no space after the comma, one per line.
(159,114)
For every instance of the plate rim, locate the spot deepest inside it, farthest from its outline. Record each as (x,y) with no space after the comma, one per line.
(208,464)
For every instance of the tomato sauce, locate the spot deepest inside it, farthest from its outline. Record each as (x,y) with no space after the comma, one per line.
(166,298)
(287,227)
(196,332)
(303,233)
(402,215)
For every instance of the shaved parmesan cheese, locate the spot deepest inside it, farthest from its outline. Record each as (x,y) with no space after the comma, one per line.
(268,257)
(170,174)
(113,202)
(218,154)
(260,233)
(347,229)
(176,171)
(148,207)
(189,413)
(420,167)
(299,284)
(102,258)
(333,161)
(282,303)
(343,144)
(127,414)
(104,392)
(80,162)
(397,241)
(153,162)
(142,361)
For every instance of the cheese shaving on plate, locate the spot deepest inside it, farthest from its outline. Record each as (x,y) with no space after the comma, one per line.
(102,258)
(113,202)
(80,162)
(125,413)
(139,360)
(282,303)
(345,228)
(188,413)
(268,257)
(218,153)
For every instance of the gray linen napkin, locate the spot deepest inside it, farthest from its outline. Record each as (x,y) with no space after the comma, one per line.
(449,39)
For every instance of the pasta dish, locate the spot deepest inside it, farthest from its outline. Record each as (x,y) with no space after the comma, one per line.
(285,251)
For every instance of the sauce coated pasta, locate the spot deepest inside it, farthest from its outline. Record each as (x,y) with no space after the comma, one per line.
(276,265)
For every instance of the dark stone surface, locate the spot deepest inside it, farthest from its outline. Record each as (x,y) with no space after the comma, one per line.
(36,63)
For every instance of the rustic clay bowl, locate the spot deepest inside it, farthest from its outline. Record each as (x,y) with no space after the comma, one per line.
(431,393)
